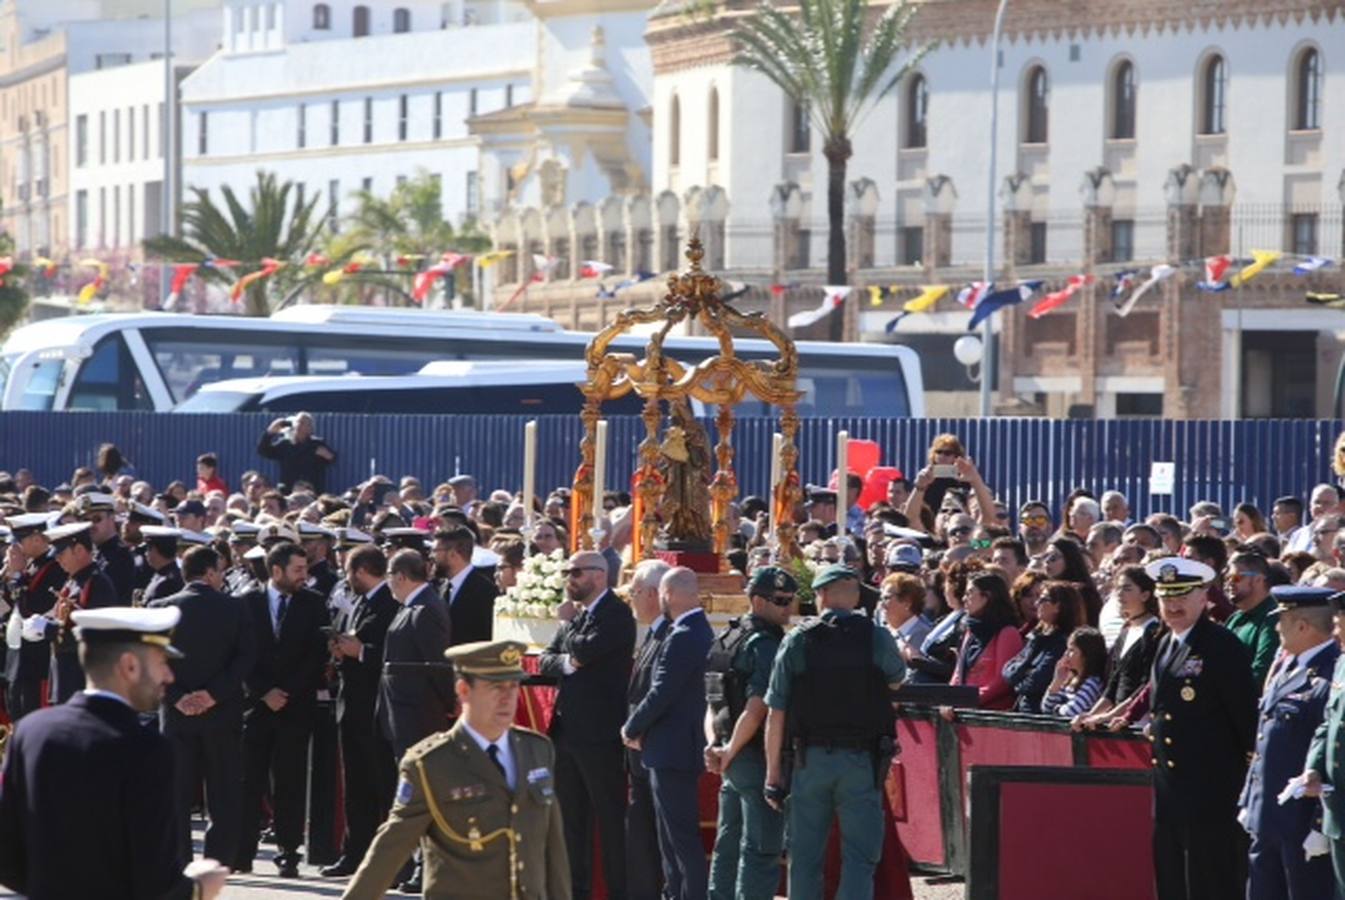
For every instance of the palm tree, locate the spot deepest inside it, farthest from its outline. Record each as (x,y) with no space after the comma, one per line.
(825,58)
(276,223)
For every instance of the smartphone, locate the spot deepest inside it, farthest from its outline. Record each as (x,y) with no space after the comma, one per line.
(1221,525)
(944,471)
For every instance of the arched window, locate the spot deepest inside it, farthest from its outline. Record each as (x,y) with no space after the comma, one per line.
(322,17)
(675,133)
(401,20)
(1212,82)
(1123,101)
(917,107)
(361,22)
(714,125)
(1035,118)
(1308,85)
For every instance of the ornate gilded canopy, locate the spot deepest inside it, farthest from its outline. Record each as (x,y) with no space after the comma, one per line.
(722,380)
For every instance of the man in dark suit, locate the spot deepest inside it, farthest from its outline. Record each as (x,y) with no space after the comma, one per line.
(366,755)
(415,695)
(302,455)
(86,587)
(591,654)
(470,594)
(287,620)
(104,826)
(202,712)
(1291,710)
(32,581)
(318,543)
(165,578)
(668,728)
(1203,728)
(644,864)
(115,558)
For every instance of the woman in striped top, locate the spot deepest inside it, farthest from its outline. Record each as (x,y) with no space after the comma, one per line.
(1078,675)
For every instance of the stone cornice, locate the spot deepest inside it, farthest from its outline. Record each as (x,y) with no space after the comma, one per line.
(685,35)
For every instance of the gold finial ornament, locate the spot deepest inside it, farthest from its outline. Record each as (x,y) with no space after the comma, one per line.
(666,383)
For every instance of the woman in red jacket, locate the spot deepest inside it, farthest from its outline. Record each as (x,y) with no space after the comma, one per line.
(990,641)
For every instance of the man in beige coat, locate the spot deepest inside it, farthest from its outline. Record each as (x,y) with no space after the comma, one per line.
(478,798)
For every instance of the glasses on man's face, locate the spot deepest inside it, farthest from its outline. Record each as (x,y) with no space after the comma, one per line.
(1037,519)
(576,570)
(960,531)
(1236,577)
(782,599)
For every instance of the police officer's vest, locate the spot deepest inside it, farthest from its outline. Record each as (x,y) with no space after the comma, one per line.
(726,687)
(841,699)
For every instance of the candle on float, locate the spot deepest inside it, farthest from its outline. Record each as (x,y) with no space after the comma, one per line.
(599,469)
(777,444)
(529,470)
(842,473)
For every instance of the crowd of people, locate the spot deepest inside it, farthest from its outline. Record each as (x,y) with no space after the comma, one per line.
(1215,632)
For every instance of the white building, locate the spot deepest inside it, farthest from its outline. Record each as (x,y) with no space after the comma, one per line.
(342,98)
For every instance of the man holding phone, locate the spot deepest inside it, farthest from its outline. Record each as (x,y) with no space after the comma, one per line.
(302,455)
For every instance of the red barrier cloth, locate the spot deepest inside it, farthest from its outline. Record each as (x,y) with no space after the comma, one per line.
(1032,816)
(1118,754)
(987,746)
(913,792)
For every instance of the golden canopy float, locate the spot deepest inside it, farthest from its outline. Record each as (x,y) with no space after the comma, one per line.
(682,487)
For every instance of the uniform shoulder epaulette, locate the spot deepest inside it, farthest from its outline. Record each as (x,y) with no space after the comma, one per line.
(524,731)
(810,622)
(426,746)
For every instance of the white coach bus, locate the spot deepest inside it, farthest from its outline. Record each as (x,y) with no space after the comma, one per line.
(154,360)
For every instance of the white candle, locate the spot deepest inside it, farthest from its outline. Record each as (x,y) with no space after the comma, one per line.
(842,473)
(529,470)
(599,469)
(777,444)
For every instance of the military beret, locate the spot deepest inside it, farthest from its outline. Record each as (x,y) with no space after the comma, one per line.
(771,580)
(833,573)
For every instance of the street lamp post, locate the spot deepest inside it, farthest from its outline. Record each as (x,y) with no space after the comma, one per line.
(166,141)
(987,332)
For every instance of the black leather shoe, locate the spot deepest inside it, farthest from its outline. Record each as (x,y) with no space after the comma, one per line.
(287,865)
(410,885)
(338,869)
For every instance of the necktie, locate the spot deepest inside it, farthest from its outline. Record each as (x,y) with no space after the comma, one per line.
(494,753)
(1290,663)
(281,608)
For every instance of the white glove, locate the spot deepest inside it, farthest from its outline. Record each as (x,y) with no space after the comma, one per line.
(35,627)
(1316,844)
(1244,819)
(1296,787)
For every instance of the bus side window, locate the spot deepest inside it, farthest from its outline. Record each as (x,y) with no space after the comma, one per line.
(99,384)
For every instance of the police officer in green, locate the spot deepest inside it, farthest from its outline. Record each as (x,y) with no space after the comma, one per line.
(1326,758)
(750,834)
(829,703)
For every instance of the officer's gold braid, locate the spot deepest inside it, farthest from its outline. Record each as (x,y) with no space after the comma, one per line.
(475,842)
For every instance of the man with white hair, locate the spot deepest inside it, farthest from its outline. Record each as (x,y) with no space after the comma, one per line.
(1324,501)
(1115,507)
(1084,513)
(643,860)
(667,727)
(302,455)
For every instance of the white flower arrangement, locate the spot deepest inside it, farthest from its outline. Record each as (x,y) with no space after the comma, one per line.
(539,589)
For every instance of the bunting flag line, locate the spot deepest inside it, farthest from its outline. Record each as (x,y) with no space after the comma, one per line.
(892,324)
(6,266)
(543,266)
(1125,283)
(216,262)
(1060,297)
(90,290)
(592,268)
(610,293)
(486,260)
(1312,264)
(357,264)
(1160,272)
(269,267)
(930,294)
(875,295)
(181,274)
(46,266)
(779,290)
(1261,260)
(317,261)
(974,292)
(833,296)
(420,286)
(994,302)
(1216,274)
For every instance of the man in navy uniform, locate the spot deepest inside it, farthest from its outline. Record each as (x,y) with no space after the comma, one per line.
(100,511)
(86,801)
(1291,709)
(32,580)
(1203,728)
(165,578)
(85,588)
(1326,760)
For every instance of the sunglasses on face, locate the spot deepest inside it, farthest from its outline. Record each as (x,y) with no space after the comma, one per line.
(1036,520)
(982,544)
(781,599)
(572,572)
(959,531)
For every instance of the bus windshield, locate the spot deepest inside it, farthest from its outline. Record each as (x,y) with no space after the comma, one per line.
(40,391)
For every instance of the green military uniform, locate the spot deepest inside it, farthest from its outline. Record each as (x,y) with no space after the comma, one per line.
(1326,757)
(836,777)
(749,836)
(480,839)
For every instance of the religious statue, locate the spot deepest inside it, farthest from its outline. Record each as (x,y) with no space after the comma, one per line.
(684,463)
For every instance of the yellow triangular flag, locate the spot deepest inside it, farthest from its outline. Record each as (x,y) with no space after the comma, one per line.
(1261,260)
(929,295)
(875,295)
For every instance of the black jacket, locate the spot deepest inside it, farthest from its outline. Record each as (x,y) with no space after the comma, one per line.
(298,462)
(219,646)
(1030,672)
(321,578)
(1130,671)
(35,592)
(86,774)
(591,702)
(119,566)
(415,694)
(1203,725)
(473,610)
(357,688)
(294,661)
(641,674)
(164,582)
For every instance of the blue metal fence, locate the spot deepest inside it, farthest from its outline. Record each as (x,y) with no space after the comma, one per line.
(1225,461)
